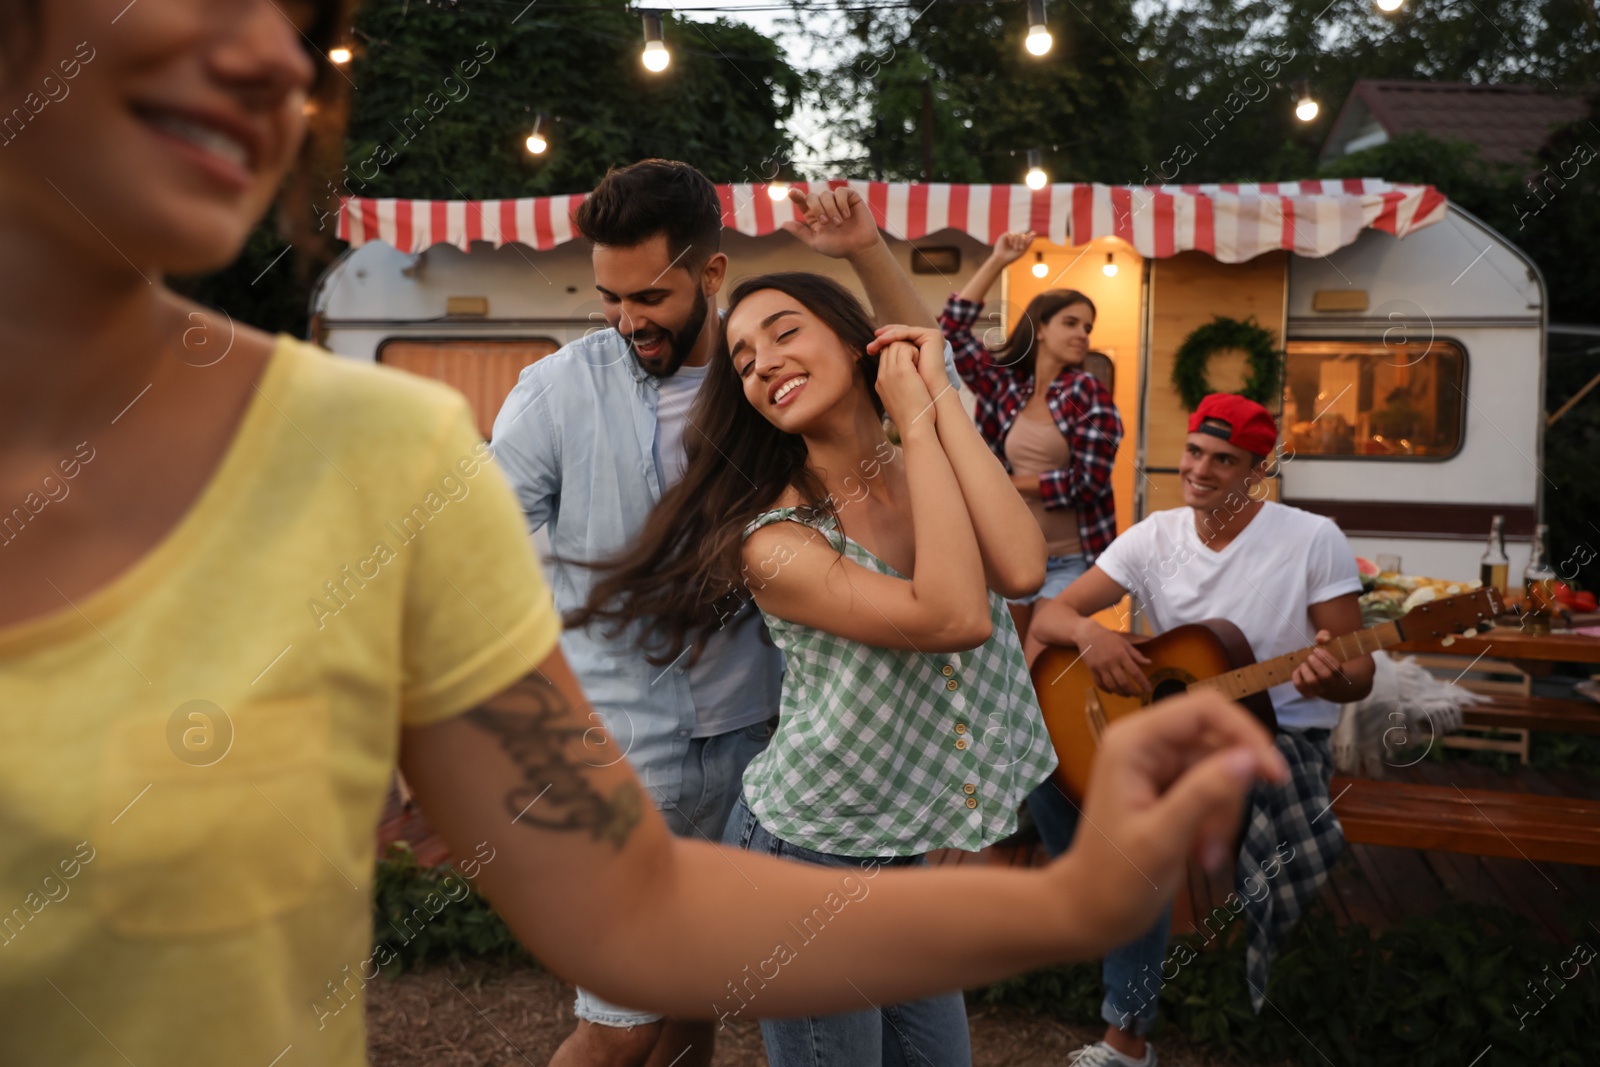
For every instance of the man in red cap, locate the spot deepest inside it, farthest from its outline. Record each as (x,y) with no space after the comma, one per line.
(1288,580)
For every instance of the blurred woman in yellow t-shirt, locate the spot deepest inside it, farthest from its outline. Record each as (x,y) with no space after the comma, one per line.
(244,581)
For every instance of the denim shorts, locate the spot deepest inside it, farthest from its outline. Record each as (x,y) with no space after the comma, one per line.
(1059,572)
(712,774)
(929,1032)
(1130,973)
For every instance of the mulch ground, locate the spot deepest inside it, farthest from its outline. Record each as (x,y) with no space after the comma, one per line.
(488,1015)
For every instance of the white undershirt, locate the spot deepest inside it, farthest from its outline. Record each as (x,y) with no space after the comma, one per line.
(1264,581)
(726,696)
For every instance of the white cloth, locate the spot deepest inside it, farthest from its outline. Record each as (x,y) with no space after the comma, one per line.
(1263,582)
(1397,723)
(675,394)
(723,698)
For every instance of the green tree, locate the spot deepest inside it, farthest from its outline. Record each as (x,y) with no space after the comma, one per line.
(444,95)
(722,104)
(1199,52)
(960,72)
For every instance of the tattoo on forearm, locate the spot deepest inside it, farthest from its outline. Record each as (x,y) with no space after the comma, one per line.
(534,724)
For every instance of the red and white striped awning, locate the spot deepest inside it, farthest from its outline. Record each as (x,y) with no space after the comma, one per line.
(1230,222)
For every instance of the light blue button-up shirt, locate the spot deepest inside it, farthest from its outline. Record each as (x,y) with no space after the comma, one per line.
(576,440)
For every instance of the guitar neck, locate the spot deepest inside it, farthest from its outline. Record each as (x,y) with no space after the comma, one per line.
(1259,677)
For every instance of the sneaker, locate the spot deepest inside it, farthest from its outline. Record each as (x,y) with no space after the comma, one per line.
(1101,1054)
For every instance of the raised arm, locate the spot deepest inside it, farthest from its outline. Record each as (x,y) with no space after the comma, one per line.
(1009,540)
(839,224)
(972,359)
(583,870)
(1007,250)
(943,607)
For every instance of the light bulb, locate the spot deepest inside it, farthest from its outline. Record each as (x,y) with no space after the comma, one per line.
(537,142)
(1038,41)
(1039,268)
(1390,6)
(778,190)
(339,56)
(656,57)
(1036,178)
(1110,269)
(1306,110)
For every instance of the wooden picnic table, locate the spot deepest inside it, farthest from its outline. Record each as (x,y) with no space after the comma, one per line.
(1507,642)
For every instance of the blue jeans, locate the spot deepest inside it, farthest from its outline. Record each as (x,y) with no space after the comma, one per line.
(1131,973)
(1059,572)
(712,774)
(931,1032)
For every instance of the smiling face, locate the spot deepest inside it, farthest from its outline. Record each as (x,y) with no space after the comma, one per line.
(172,134)
(1212,472)
(1065,336)
(656,302)
(793,367)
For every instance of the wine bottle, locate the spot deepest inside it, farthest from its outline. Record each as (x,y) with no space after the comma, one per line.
(1494,568)
(1539,580)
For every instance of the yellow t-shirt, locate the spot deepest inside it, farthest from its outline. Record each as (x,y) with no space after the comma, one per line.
(194,758)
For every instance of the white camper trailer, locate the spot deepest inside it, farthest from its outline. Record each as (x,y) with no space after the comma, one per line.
(1412,402)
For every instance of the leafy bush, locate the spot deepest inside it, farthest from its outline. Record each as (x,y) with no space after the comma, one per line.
(1433,990)
(466,927)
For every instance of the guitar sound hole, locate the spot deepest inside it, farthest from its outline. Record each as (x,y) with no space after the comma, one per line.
(1168,687)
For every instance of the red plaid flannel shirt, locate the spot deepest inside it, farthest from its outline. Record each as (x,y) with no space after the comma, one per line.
(1083,410)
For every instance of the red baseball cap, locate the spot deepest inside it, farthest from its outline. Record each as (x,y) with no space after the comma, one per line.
(1240,422)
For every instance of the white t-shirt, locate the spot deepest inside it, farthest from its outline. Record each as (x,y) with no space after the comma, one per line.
(1263,582)
(724,698)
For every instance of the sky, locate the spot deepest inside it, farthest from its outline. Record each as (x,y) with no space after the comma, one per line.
(808,49)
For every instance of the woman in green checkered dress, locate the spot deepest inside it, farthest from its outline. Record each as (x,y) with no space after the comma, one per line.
(908,720)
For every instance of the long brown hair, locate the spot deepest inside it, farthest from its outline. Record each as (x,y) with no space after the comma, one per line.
(683,576)
(1020,352)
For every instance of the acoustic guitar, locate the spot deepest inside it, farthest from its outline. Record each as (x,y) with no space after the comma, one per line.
(1215,655)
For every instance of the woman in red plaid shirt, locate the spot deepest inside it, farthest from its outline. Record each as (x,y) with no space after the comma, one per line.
(1059,443)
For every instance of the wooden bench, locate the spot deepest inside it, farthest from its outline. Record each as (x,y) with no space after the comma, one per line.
(1549,714)
(1507,721)
(1474,821)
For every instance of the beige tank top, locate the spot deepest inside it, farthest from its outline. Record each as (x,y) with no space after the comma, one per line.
(1035,445)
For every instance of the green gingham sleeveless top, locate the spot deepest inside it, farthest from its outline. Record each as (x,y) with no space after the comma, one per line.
(885,752)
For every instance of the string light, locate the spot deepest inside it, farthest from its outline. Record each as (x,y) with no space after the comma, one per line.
(1389,7)
(656,57)
(1039,268)
(1036,177)
(1305,108)
(778,191)
(339,56)
(537,142)
(1110,269)
(1039,40)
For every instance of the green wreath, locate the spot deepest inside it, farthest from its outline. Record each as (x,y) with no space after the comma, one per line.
(1220,334)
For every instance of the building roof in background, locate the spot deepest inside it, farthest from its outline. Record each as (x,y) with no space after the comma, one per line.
(1508,123)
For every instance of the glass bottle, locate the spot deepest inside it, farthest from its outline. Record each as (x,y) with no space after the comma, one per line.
(1538,579)
(1494,568)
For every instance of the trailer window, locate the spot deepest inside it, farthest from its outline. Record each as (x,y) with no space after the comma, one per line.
(483,370)
(1374,400)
